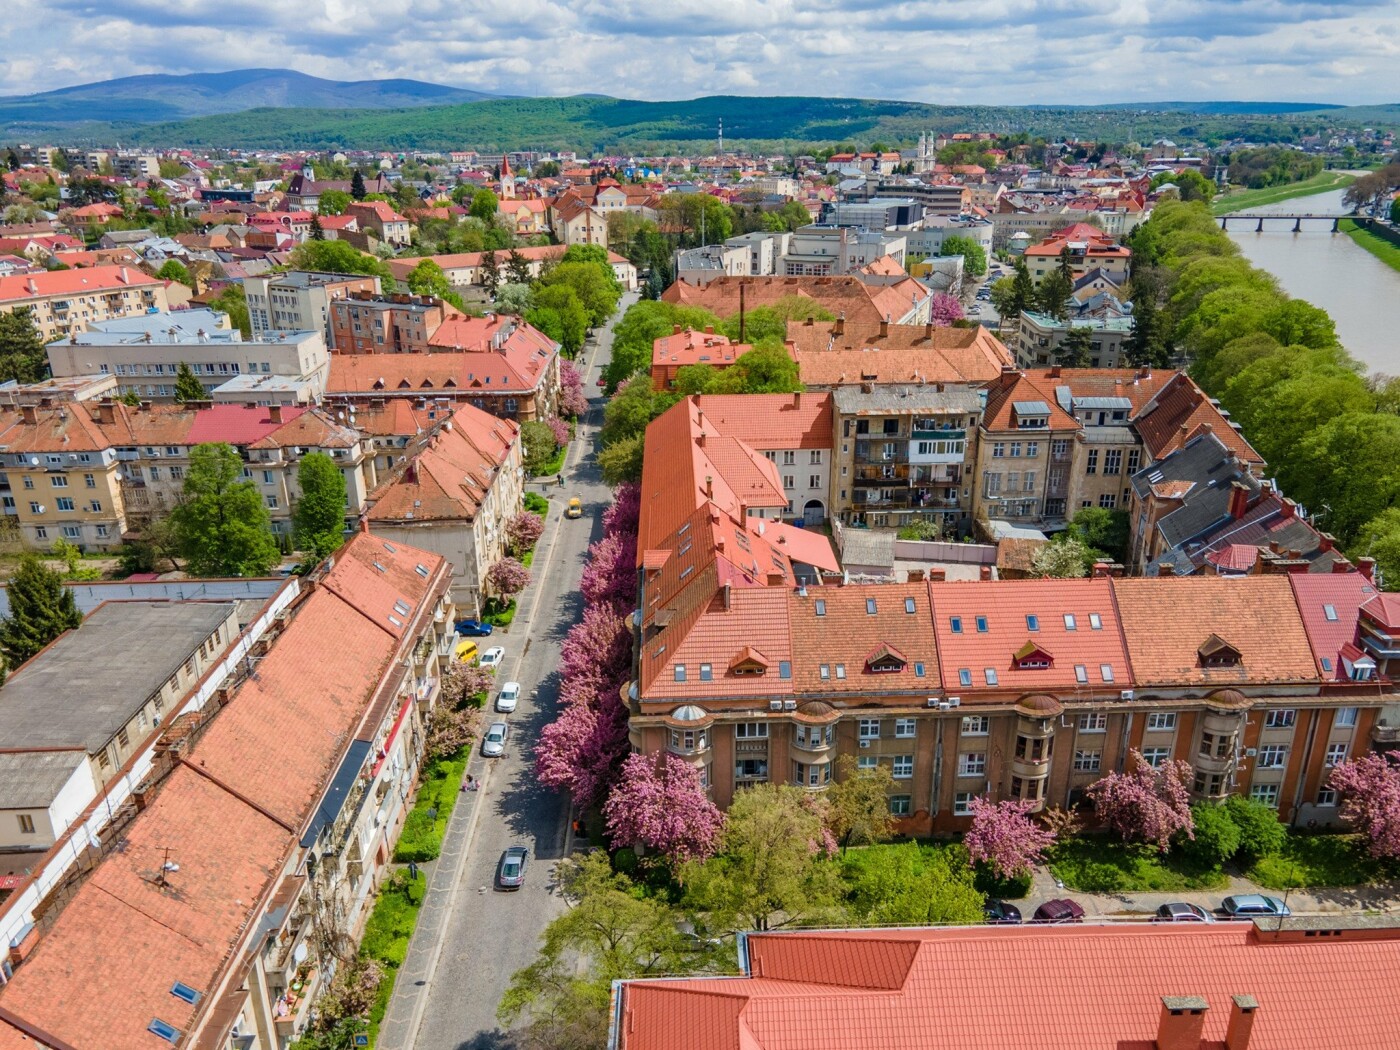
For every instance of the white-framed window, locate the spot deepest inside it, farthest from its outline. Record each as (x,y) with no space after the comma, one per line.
(899,805)
(1280,718)
(962,803)
(867,762)
(1093,722)
(990,674)
(1336,754)
(1106,672)
(976,725)
(1161,721)
(903,767)
(869,728)
(1081,674)
(905,728)
(972,764)
(1346,716)
(1087,760)
(72,532)
(1326,797)
(1273,756)
(1265,793)
(1155,756)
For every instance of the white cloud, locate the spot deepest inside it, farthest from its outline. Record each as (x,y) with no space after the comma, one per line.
(951,51)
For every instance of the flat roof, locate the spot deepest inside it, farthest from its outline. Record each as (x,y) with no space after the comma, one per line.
(87,685)
(31,779)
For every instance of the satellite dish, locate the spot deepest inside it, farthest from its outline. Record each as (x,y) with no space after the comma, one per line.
(33,461)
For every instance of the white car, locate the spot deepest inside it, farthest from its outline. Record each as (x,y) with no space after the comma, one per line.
(493,745)
(509,697)
(492,657)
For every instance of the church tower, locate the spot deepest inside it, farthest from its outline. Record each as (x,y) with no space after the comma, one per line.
(507,185)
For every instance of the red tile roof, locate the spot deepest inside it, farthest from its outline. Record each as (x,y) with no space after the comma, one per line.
(833,628)
(843,294)
(520,368)
(73,282)
(1180,410)
(237,424)
(450,478)
(1330,604)
(868,351)
(1011,988)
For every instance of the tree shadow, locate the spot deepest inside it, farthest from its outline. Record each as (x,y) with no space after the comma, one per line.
(493,1040)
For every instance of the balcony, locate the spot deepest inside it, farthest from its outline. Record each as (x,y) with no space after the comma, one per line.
(935,432)
(749,747)
(293,1006)
(879,455)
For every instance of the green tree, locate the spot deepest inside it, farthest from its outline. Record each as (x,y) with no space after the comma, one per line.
(318,232)
(318,519)
(595,286)
(557,311)
(428,278)
(233,300)
(357,185)
(518,268)
(514,298)
(335,202)
(912,885)
(1103,532)
(187,384)
(1147,344)
(41,609)
(223,525)
(1216,837)
(858,804)
(1021,295)
(1395,211)
(1379,538)
(1052,297)
(490,272)
(621,461)
(762,370)
(1261,832)
(974,255)
(1358,445)
(484,205)
(1065,560)
(772,869)
(22,353)
(642,324)
(174,270)
(339,257)
(793,215)
(1074,349)
(537,446)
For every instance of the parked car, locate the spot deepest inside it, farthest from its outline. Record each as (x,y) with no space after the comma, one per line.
(493,744)
(1003,914)
(510,870)
(1059,911)
(509,697)
(492,657)
(602,381)
(575,508)
(1180,911)
(474,629)
(1251,905)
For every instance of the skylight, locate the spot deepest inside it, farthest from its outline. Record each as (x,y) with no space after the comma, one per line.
(164,1029)
(391,548)
(395,621)
(965,675)
(1095,622)
(1069,622)
(185,992)
(1330,611)
(378,566)
(981,625)
(821,606)
(955,624)
(1081,674)
(909,605)
(421,570)
(990,674)
(870,606)
(1032,622)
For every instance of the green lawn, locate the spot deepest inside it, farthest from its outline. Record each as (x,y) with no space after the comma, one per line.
(536,503)
(1096,864)
(387,933)
(426,823)
(1320,183)
(1381,248)
(1319,860)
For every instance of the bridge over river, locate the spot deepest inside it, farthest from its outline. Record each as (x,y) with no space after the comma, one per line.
(1275,219)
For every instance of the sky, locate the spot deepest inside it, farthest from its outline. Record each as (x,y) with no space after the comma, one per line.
(995,52)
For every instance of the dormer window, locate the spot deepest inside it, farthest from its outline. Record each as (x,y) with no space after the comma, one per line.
(1031,657)
(749,661)
(885,659)
(1216,652)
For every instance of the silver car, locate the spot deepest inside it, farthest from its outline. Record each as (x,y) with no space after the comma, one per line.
(493,745)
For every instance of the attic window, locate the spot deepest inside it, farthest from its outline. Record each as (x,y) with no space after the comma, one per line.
(981,625)
(955,624)
(1069,621)
(1330,611)
(706,672)
(1081,674)
(1216,652)
(421,570)
(870,606)
(683,529)
(687,571)
(185,992)
(1327,663)
(840,670)
(391,548)
(824,672)
(680,672)
(1032,622)
(685,549)
(784,668)
(918,669)
(964,676)
(395,621)
(402,607)
(377,566)
(1095,622)
(990,673)
(821,606)
(1106,672)
(165,1030)
(909,605)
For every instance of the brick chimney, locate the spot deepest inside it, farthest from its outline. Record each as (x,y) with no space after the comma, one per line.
(29,413)
(1239,500)
(675,329)
(1342,565)
(1367,567)
(1325,541)
(984,572)
(1288,509)
(885,326)
(1181,1021)
(797,400)
(1101,570)
(1053,373)
(937,575)
(839,327)
(106,412)
(274,413)
(1242,1011)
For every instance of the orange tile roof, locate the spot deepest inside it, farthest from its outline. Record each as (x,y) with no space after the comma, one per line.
(693,348)
(772,421)
(843,294)
(902,354)
(1345,593)
(1048,987)
(86,279)
(833,628)
(1167,620)
(450,478)
(519,369)
(1006,607)
(1178,412)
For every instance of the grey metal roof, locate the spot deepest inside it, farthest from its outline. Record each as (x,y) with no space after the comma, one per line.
(92,681)
(1103,402)
(918,400)
(1031,408)
(863,548)
(32,779)
(89,595)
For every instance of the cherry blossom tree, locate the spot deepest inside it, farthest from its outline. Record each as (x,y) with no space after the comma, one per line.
(1146,804)
(660,803)
(1370,791)
(1004,837)
(449,729)
(559,429)
(507,577)
(610,577)
(599,643)
(573,402)
(944,310)
(623,516)
(523,531)
(462,682)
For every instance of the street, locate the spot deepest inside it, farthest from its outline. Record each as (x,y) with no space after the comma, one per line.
(451,984)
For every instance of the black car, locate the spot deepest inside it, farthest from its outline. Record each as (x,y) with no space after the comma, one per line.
(474,629)
(510,871)
(1003,914)
(1058,911)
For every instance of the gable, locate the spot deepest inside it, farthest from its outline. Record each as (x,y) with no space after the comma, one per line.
(1032,657)
(885,659)
(1216,652)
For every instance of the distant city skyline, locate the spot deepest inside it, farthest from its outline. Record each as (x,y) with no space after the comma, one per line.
(998,52)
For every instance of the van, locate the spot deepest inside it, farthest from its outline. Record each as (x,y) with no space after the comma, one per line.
(466,652)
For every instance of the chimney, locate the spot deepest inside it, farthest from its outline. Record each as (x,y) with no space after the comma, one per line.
(106,412)
(937,575)
(928,330)
(839,327)
(701,442)
(1289,509)
(709,329)
(124,277)
(1242,1011)
(274,413)
(1367,567)
(1102,570)
(797,400)
(29,413)
(709,487)
(1179,1026)
(1342,565)
(1273,546)
(985,573)
(885,327)
(725,593)
(1239,500)
(1325,541)
(675,329)
(916,575)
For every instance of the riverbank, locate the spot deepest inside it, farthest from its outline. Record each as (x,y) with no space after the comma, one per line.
(1319,183)
(1378,246)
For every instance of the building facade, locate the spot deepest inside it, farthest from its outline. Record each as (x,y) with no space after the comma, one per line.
(300,300)
(66,301)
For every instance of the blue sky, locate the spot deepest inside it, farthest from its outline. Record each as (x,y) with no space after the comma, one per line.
(941,51)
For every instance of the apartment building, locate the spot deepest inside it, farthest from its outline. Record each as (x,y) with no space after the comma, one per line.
(56,759)
(145,352)
(452,493)
(1088,248)
(1110,327)
(698,266)
(299,300)
(365,323)
(684,348)
(859,297)
(258,848)
(467,269)
(66,301)
(379,217)
(135,166)
(828,250)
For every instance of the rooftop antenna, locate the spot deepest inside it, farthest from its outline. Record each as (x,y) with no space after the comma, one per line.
(167,867)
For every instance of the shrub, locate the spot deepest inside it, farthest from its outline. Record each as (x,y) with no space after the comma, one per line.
(426,823)
(1259,827)
(536,504)
(1217,835)
(625,860)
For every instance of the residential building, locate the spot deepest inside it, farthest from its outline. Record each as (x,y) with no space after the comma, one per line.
(683,348)
(466,270)
(136,166)
(574,222)
(858,296)
(379,217)
(1232,985)
(1089,248)
(823,250)
(453,493)
(300,300)
(698,266)
(366,323)
(937,228)
(848,352)
(257,848)
(1110,326)
(66,301)
(765,249)
(304,189)
(145,352)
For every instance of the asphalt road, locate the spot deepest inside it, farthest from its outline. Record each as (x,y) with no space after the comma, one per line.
(490,934)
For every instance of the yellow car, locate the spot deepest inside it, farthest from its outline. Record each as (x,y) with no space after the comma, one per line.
(575,508)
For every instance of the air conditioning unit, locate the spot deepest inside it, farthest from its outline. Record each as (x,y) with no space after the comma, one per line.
(155,455)
(775,705)
(1250,752)
(1126,694)
(865,743)
(954,701)
(789,705)
(933,701)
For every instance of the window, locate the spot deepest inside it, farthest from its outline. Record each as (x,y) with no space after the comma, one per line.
(28,482)
(1113,461)
(962,804)
(824,672)
(909,605)
(918,668)
(976,725)
(1208,783)
(955,624)
(155,473)
(1216,745)
(272,502)
(690,739)
(679,672)
(58,481)
(267,477)
(95,506)
(1094,721)
(815,457)
(26,823)
(64,503)
(1108,501)
(998,449)
(990,674)
(185,992)
(1087,761)
(840,670)
(899,805)
(870,607)
(1345,716)
(1095,622)
(903,767)
(1330,612)
(1106,672)
(1326,797)
(90,481)
(789,458)
(751,731)
(814,481)
(123,740)
(905,728)
(1265,793)
(869,728)
(867,762)
(1032,622)
(1280,718)
(1159,721)
(1081,674)
(72,532)
(964,676)
(1091,463)
(1272,756)
(981,625)
(821,606)
(706,672)
(1155,756)
(1069,622)
(1336,754)
(972,764)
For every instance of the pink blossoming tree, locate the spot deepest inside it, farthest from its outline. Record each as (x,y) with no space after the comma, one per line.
(610,578)
(944,310)
(623,516)
(1370,791)
(507,577)
(1004,837)
(573,402)
(523,531)
(599,644)
(1146,804)
(559,429)
(660,803)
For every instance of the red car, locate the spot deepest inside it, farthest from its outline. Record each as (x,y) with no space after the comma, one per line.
(602,381)
(1059,911)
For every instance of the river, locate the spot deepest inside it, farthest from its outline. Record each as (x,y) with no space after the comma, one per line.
(1331,271)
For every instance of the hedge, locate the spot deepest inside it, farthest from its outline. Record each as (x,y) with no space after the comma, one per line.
(422,832)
